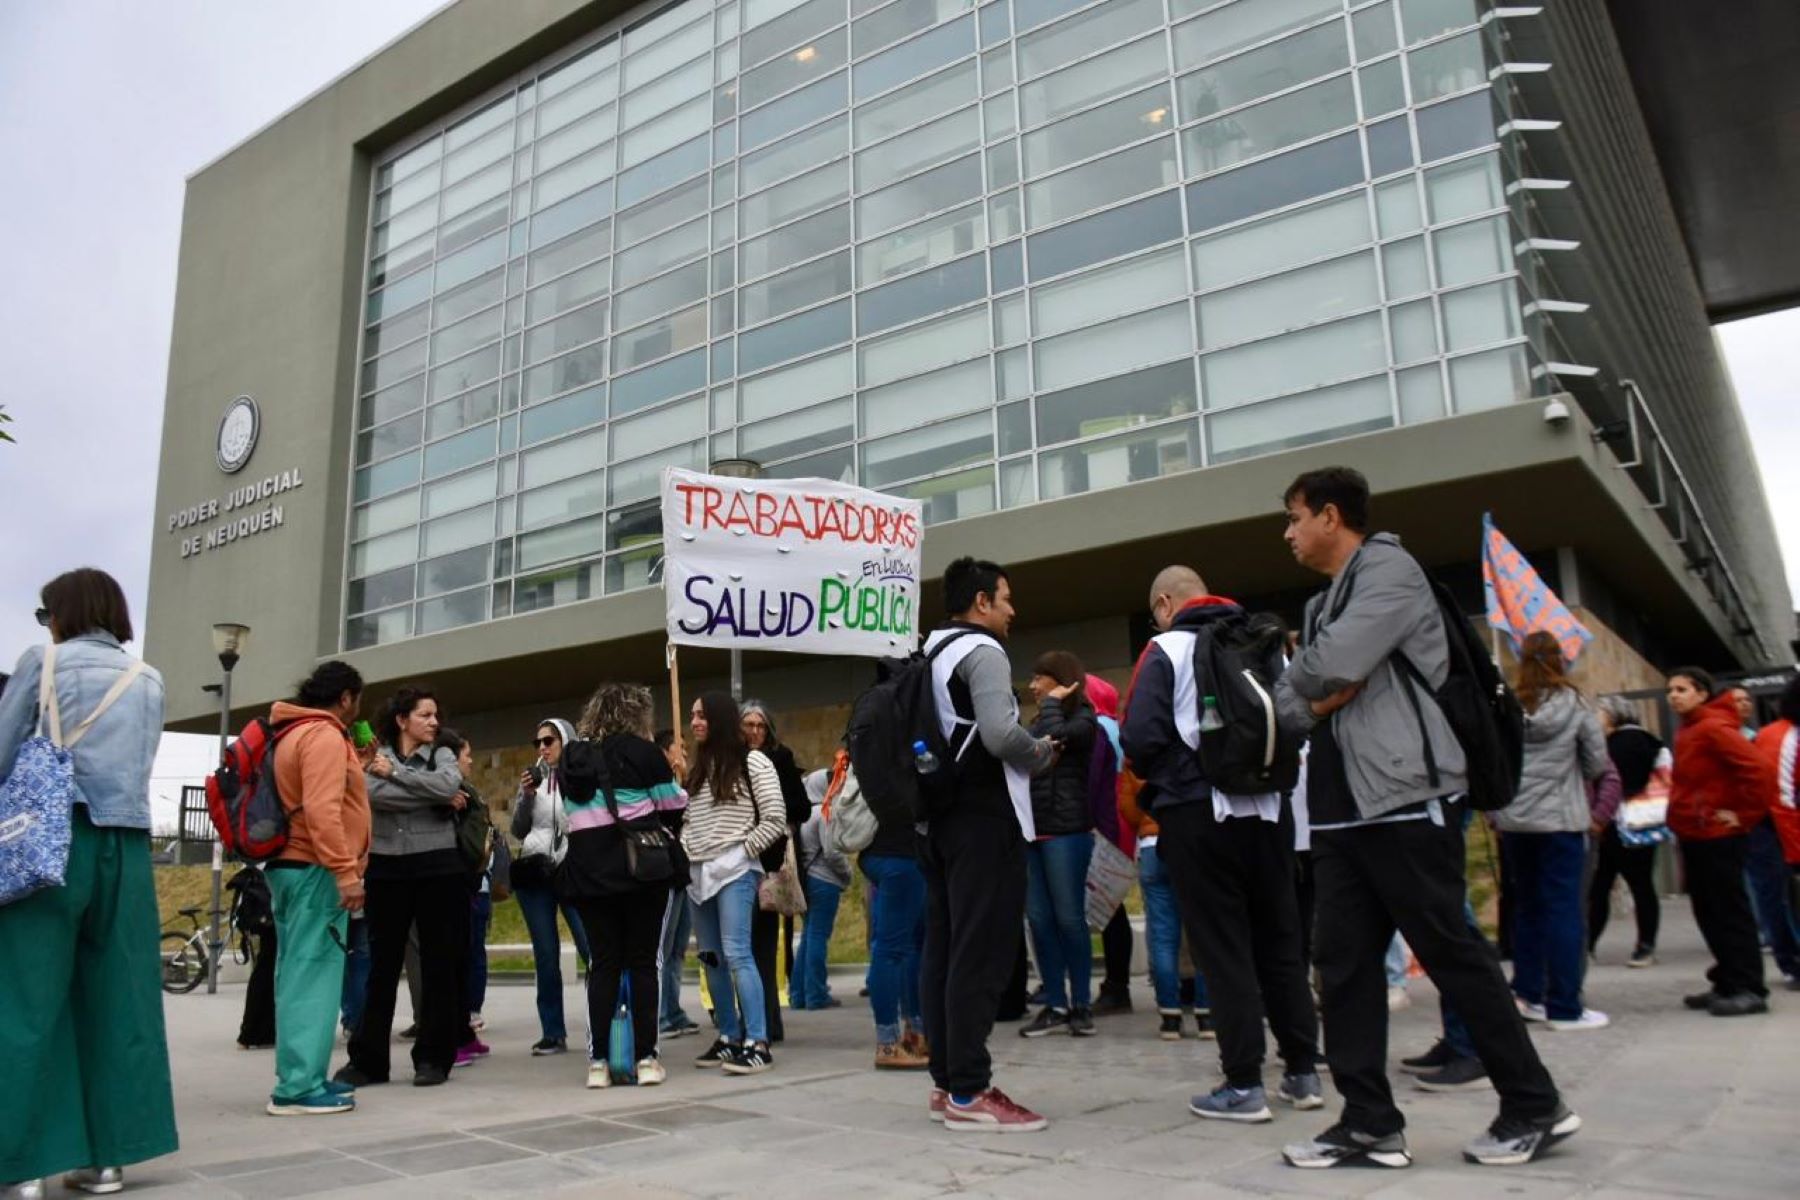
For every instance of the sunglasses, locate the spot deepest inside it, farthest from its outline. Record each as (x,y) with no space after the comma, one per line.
(43,617)
(547,741)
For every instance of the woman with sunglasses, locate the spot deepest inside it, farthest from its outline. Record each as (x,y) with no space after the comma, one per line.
(735,813)
(542,829)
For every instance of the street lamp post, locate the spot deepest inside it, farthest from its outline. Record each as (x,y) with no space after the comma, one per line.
(737,468)
(229,641)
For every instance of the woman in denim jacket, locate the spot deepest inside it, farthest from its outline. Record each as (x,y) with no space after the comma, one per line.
(87,1063)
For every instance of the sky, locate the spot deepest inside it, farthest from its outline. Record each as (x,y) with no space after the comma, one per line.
(106,106)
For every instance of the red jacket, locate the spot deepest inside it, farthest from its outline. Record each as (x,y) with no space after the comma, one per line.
(1719,775)
(1771,741)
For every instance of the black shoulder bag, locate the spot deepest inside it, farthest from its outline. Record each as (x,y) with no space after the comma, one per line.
(649,850)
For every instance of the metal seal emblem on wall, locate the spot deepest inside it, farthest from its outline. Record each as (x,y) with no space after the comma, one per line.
(237,434)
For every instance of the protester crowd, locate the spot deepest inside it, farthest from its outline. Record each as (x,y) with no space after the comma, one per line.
(1292,807)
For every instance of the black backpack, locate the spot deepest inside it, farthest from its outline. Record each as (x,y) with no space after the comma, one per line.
(886,720)
(1237,659)
(475,832)
(252,907)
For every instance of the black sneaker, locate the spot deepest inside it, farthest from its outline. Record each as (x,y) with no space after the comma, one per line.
(430,1076)
(1436,1058)
(1700,1001)
(1081,1022)
(1342,1144)
(356,1077)
(717,1055)
(1513,1142)
(751,1059)
(1457,1075)
(1050,1020)
(1742,1004)
(1170,1030)
(1110,1002)
(1203,1027)
(546,1046)
(1642,956)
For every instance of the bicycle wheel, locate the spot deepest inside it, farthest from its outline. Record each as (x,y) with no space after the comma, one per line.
(184,963)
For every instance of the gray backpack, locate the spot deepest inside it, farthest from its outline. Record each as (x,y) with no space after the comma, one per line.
(849,823)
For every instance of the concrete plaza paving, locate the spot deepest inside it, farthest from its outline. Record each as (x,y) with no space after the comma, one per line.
(1675,1104)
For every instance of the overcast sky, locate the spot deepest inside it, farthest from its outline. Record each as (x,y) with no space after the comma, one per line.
(106,106)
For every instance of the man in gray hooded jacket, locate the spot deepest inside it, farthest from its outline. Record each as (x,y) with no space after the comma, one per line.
(1384,777)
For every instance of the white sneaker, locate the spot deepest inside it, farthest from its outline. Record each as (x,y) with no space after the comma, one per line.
(599,1075)
(1398,999)
(1590,1018)
(476,1024)
(96,1181)
(1530,1011)
(650,1072)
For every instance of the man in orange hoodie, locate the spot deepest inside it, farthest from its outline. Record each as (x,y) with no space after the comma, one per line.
(315,883)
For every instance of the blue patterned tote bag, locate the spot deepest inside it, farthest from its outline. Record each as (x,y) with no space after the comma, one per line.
(38,797)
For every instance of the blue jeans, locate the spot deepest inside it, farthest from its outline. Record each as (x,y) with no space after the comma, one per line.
(1162,930)
(481,912)
(1056,909)
(806,984)
(1549,933)
(1771,896)
(678,928)
(897,913)
(722,926)
(539,906)
(356,973)
(1395,964)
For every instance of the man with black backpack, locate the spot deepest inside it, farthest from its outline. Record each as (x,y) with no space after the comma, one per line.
(1407,717)
(1201,730)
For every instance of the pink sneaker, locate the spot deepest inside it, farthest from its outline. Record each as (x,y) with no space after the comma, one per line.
(993,1111)
(468,1053)
(934,1107)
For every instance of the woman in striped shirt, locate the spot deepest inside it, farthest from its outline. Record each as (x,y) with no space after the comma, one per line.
(622,915)
(735,813)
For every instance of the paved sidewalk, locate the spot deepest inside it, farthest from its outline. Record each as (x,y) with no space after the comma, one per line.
(1675,1104)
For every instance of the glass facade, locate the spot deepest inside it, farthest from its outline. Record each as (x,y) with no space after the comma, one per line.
(980,255)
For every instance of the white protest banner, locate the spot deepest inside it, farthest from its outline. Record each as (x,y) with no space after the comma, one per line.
(789,564)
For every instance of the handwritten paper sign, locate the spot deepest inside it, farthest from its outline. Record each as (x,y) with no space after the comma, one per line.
(1518,600)
(789,564)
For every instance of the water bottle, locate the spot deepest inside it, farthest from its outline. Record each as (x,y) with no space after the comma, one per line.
(1209,717)
(924,761)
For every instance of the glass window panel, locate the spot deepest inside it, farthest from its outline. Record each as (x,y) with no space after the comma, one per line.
(996,70)
(1421,19)
(562,415)
(385,516)
(1481,315)
(561,460)
(386,477)
(1282,241)
(1013,423)
(409,162)
(386,405)
(1139,169)
(1006,214)
(1461,189)
(1288,301)
(1294,362)
(1098,130)
(1397,206)
(469,227)
(819,144)
(794,336)
(924,347)
(559,502)
(1421,393)
(684,203)
(1233,27)
(388,439)
(679,86)
(1472,251)
(1009,319)
(1390,147)
(569,290)
(671,377)
(936,189)
(928,243)
(1098,295)
(837,464)
(1003,164)
(400,260)
(586,365)
(1114,347)
(688,121)
(378,628)
(1029,14)
(1106,235)
(1453,65)
(573,540)
(1114,404)
(463,450)
(790,29)
(584,209)
(472,127)
(801,65)
(476,526)
(1094,79)
(1414,331)
(380,591)
(472,158)
(394,365)
(1112,462)
(952,497)
(664,171)
(1008,263)
(481,404)
(1299,175)
(465,265)
(895,21)
(928,451)
(396,332)
(1489,380)
(677,331)
(922,147)
(384,553)
(1383,88)
(466,334)
(399,296)
(1082,34)
(634,527)
(1018,484)
(403,228)
(678,288)
(921,295)
(797,288)
(1404,268)
(1300,420)
(640,478)
(657,255)
(654,61)
(910,60)
(1455,125)
(795,243)
(466,195)
(999,116)
(655,430)
(797,386)
(944,393)
(1268,126)
(789,113)
(1263,71)
(1374,31)
(814,190)
(559,110)
(1014,370)
(758,11)
(916,102)
(465,372)
(803,432)
(551,588)
(576,139)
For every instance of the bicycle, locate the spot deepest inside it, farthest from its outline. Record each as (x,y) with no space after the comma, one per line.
(184,955)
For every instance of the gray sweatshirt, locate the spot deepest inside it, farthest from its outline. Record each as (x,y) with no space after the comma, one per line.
(1564,748)
(411,808)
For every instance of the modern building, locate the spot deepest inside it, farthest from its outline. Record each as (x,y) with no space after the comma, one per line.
(1091,280)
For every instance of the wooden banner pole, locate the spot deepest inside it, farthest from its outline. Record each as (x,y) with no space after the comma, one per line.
(674,665)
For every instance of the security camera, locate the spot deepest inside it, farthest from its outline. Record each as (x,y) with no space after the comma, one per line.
(1556,413)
